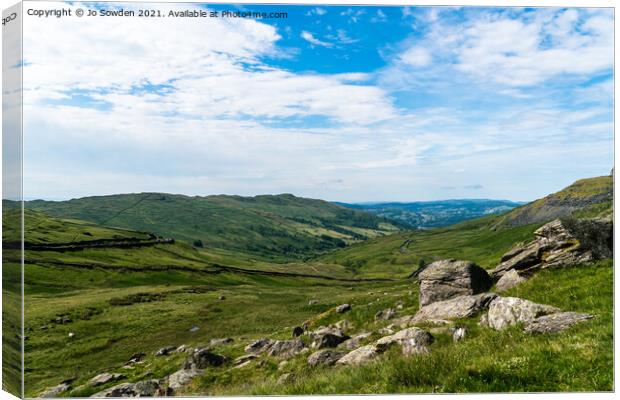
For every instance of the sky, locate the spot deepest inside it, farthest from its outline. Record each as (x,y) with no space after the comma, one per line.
(342,103)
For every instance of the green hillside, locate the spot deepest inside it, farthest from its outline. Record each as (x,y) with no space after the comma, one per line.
(590,197)
(282,227)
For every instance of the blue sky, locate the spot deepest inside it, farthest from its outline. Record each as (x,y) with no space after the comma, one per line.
(335,102)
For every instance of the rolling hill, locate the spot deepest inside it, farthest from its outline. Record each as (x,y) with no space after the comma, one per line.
(435,214)
(278,227)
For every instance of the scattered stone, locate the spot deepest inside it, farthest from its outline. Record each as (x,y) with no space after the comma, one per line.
(313,302)
(63,319)
(446,279)
(204,358)
(135,357)
(458,307)
(386,330)
(384,315)
(194,329)
(165,351)
(325,357)
(554,323)
(506,311)
(458,333)
(343,308)
(258,346)
(356,341)
(298,331)
(221,342)
(55,391)
(327,337)
(359,356)
(222,297)
(244,359)
(286,378)
(181,378)
(285,348)
(104,378)
(509,280)
(400,305)
(71,335)
(182,349)
(411,338)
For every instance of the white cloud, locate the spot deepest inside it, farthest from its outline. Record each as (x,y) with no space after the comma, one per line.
(317,11)
(309,37)
(416,57)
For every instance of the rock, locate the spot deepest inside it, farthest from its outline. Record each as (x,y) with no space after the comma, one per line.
(343,308)
(356,341)
(221,342)
(446,279)
(286,378)
(560,243)
(140,389)
(135,357)
(325,357)
(259,346)
(285,348)
(298,331)
(458,333)
(506,311)
(313,302)
(327,337)
(458,307)
(384,315)
(410,347)
(244,359)
(509,280)
(204,358)
(104,378)
(165,351)
(194,329)
(181,378)
(386,330)
(181,349)
(359,356)
(410,338)
(55,391)
(554,323)
(222,297)
(71,335)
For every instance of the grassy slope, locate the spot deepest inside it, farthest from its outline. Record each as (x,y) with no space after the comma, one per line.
(281,227)
(592,197)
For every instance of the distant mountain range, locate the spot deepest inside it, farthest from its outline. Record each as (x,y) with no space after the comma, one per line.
(433,214)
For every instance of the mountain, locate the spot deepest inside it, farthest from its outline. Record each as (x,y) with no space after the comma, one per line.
(433,214)
(591,197)
(270,227)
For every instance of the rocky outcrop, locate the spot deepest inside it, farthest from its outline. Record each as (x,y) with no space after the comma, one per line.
(181,378)
(554,323)
(258,346)
(507,311)
(560,243)
(446,279)
(458,307)
(325,357)
(412,340)
(285,348)
(105,378)
(327,337)
(204,358)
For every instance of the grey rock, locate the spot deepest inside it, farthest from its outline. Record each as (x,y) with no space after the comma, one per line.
(313,302)
(221,342)
(325,357)
(557,322)
(298,331)
(286,379)
(343,308)
(411,347)
(446,279)
(327,337)
(359,356)
(165,351)
(458,333)
(507,311)
(259,346)
(181,378)
(458,307)
(386,314)
(104,378)
(356,341)
(55,391)
(509,280)
(285,348)
(244,359)
(410,337)
(204,358)
(140,389)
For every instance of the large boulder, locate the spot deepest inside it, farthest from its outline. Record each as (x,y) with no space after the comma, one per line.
(560,243)
(258,346)
(204,358)
(509,280)
(359,356)
(446,279)
(286,348)
(148,388)
(327,337)
(181,378)
(507,311)
(458,307)
(554,323)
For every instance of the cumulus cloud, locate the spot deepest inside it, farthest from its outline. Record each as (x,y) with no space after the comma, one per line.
(309,37)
